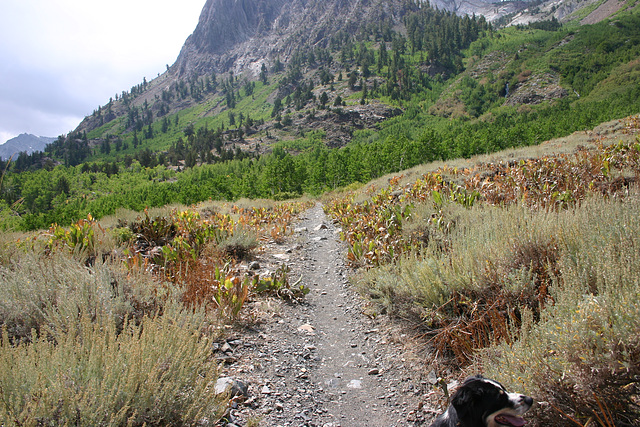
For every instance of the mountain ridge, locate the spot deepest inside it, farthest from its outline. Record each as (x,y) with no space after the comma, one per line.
(240,35)
(236,35)
(24,142)
(245,37)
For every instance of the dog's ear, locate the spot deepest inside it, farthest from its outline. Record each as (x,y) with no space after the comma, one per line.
(465,401)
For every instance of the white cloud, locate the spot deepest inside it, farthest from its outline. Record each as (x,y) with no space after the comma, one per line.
(60,59)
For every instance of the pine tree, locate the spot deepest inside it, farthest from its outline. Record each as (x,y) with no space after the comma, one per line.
(364,92)
(353,78)
(277,106)
(105,147)
(382,57)
(149,133)
(62,186)
(324,98)
(263,74)
(191,159)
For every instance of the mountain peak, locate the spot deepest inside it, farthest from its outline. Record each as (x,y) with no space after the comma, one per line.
(24,142)
(236,35)
(241,35)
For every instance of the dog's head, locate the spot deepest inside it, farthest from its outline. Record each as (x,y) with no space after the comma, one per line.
(483,402)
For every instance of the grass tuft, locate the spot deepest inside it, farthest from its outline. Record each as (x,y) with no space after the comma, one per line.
(35,290)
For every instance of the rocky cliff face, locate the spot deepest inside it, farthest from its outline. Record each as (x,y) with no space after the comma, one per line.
(240,35)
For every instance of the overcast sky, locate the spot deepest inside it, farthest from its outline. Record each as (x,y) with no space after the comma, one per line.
(60,59)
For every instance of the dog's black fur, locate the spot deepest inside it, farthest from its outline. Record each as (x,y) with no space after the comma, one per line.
(481,402)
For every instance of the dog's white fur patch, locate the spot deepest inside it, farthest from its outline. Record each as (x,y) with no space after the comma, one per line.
(446,415)
(516,399)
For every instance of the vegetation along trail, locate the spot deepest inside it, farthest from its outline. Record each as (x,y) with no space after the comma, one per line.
(323,362)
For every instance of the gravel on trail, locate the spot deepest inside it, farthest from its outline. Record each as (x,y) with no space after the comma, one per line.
(321,362)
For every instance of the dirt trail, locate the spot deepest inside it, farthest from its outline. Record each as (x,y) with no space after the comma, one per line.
(322,362)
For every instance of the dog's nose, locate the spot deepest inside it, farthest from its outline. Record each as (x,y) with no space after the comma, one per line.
(527,400)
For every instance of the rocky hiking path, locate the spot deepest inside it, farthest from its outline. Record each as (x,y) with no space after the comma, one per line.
(320,362)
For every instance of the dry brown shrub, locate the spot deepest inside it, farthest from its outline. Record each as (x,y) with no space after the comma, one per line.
(540,260)
(474,319)
(592,396)
(524,76)
(222,289)
(524,109)
(482,319)
(450,107)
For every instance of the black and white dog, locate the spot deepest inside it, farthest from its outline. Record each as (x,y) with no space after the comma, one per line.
(481,402)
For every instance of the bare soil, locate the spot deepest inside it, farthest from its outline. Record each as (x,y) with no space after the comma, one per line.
(603,11)
(321,361)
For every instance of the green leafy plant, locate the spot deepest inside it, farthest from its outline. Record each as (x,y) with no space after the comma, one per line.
(278,284)
(79,237)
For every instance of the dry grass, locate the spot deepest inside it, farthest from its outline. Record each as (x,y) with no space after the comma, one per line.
(468,284)
(84,371)
(35,289)
(552,297)
(100,345)
(10,243)
(238,246)
(584,353)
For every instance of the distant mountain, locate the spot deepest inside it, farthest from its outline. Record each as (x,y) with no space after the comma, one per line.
(24,142)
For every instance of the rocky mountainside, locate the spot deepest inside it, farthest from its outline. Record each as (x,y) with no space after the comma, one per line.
(264,71)
(239,35)
(491,10)
(504,13)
